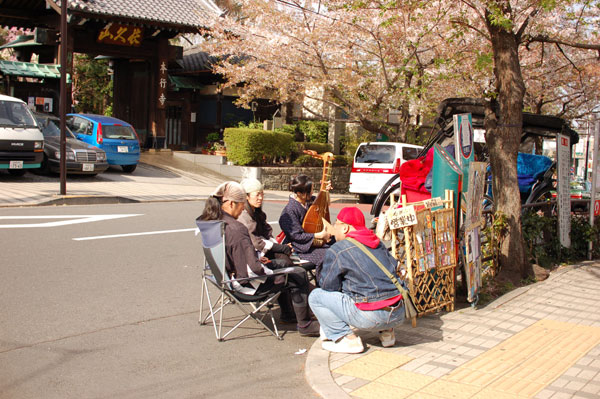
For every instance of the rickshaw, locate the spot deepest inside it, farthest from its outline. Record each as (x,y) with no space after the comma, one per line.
(535,171)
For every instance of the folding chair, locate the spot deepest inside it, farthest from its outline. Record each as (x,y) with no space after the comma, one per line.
(213,243)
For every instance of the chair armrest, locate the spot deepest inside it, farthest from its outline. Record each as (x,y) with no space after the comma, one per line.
(276,272)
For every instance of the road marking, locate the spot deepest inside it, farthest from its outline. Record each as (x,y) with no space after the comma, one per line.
(145,233)
(71,219)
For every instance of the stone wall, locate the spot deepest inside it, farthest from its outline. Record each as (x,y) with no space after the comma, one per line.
(279,178)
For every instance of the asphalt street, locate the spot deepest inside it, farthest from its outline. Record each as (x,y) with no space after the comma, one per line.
(101,301)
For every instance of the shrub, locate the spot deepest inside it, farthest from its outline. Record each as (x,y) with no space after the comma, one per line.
(306,160)
(250,125)
(255,146)
(289,129)
(342,160)
(542,239)
(314,131)
(318,147)
(213,136)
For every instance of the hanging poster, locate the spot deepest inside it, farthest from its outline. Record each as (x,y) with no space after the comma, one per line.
(444,237)
(424,241)
(472,223)
(473,263)
(463,141)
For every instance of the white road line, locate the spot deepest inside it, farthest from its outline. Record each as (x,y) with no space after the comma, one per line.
(145,233)
(71,219)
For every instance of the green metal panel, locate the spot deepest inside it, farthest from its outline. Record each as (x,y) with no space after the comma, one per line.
(29,69)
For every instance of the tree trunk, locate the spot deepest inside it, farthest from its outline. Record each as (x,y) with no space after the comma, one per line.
(503,134)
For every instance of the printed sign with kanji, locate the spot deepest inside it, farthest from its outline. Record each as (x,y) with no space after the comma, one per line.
(402,217)
(162,83)
(123,35)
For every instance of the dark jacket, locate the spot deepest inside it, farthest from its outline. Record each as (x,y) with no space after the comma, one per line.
(290,222)
(255,221)
(348,269)
(240,252)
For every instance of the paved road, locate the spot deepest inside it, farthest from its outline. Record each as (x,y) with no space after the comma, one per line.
(117,317)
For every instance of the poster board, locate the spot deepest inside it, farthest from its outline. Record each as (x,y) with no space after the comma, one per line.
(427,250)
(472,223)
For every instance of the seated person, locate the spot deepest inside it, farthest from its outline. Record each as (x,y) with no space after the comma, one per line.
(354,291)
(261,234)
(291,220)
(226,203)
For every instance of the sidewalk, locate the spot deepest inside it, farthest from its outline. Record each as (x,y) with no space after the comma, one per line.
(158,177)
(540,341)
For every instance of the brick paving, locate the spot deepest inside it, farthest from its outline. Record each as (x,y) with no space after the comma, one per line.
(540,341)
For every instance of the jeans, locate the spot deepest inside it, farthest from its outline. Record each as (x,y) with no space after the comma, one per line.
(337,311)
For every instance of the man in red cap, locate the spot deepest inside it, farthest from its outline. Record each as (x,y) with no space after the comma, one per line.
(354,291)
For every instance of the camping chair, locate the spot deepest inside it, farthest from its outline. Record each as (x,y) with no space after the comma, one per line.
(213,243)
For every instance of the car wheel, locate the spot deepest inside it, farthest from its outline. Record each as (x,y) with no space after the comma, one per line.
(16,172)
(128,168)
(45,168)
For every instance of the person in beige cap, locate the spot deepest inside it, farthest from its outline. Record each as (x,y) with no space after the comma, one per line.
(294,300)
(226,203)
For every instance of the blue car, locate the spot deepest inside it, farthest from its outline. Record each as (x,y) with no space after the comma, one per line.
(116,137)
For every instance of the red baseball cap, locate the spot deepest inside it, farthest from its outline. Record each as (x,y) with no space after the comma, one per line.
(353,216)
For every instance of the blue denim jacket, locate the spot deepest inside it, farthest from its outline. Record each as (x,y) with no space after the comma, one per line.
(348,269)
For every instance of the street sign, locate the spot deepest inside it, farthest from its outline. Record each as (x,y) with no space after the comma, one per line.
(597,208)
(563,151)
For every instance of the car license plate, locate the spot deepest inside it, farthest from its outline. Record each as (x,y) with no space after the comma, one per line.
(88,167)
(15,165)
(122,148)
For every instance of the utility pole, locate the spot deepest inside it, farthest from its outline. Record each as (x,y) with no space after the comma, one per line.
(63,96)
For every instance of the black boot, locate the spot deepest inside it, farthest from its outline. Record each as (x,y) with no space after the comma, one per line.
(307,327)
(285,305)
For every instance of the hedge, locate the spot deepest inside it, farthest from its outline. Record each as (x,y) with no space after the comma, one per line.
(256,146)
(318,147)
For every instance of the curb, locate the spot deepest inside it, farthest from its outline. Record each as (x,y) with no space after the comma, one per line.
(318,375)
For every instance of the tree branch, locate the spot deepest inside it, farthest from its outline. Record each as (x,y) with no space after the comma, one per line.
(546,39)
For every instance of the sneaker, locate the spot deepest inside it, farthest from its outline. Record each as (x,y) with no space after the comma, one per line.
(387,338)
(344,345)
(310,330)
(322,336)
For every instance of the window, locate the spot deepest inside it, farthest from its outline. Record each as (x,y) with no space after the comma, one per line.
(376,154)
(118,132)
(409,153)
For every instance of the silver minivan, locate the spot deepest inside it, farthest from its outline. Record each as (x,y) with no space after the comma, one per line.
(375,162)
(21,141)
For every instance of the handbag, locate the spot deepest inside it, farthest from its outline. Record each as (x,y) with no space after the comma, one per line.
(410,311)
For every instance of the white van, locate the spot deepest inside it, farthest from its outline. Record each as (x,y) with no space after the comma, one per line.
(21,141)
(375,163)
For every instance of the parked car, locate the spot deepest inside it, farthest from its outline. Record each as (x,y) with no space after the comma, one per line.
(82,158)
(116,137)
(21,142)
(374,163)
(580,195)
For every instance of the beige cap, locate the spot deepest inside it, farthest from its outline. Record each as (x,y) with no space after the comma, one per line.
(251,185)
(230,191)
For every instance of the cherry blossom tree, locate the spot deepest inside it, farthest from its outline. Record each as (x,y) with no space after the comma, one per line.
(363,61)
(366,57)
(510,28)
